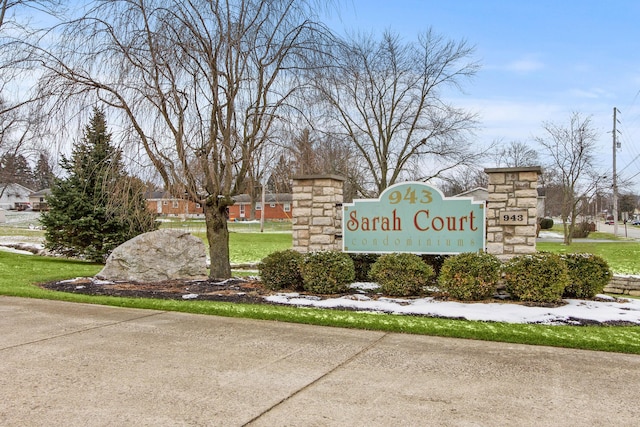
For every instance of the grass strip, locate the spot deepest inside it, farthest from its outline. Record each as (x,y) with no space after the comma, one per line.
(622,256)
(19,272)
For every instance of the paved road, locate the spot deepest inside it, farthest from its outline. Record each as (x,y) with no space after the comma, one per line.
(627,230)
(630,231)
(66,364)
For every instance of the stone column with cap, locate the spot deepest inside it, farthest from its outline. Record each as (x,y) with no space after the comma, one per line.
(317,213)
(512,214)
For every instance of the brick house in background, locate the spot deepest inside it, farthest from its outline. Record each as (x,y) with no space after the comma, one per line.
(163,203)
(277,206)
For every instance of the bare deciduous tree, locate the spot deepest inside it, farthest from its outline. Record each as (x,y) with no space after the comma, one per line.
(387,98)
(17,118)
(322,153)
(570,149)
(463,180)
(516,154)
(200,85)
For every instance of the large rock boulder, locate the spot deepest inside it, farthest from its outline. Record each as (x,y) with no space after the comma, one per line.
(156,256)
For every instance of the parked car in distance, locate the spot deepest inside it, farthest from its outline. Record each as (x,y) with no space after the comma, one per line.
(635,222)
(609,220)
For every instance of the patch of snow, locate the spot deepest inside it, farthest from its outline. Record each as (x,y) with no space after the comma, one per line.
(73,280)
(550,235)
(190,296)
(598,311)
(365,286)
(15,251)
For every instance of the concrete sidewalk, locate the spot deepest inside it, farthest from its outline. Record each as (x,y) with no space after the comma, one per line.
(66,364)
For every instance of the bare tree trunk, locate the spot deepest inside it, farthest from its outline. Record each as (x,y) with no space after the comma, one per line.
(218,237)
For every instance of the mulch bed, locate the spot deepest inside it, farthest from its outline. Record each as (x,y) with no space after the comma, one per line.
(232,290)
(239,290)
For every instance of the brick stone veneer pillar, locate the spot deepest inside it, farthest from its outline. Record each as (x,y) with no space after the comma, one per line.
(317,213)
(512,215)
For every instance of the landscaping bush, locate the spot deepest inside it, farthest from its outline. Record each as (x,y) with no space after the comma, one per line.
(435,261)
(470,276)
(588,275)
(581,230)
(546,224)
(362,264)
(540,277)
(281,270)
(401,274)
(327,272)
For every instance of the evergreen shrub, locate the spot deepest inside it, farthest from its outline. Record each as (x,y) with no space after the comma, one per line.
(327,272)
(588,275)
(362,264)
(471,276)
(546,224)
(281,270)
(435,261)
(401,274)
(539,277)
(97,206)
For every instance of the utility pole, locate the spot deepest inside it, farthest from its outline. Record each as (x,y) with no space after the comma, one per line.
(616,145)
(264,209)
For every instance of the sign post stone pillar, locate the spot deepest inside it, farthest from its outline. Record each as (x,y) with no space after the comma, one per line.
(317,213)
(512,214)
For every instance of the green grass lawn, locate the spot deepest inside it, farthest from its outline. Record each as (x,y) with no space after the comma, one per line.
(252,247)
(16,231)
(622,256)
(198,225)
(247,245)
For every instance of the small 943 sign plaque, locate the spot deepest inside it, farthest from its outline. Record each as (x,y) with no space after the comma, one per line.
(513,217)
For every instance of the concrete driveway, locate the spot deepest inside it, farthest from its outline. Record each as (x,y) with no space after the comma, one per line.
(66,364)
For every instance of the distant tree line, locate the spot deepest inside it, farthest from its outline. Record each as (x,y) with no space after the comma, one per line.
(15,169)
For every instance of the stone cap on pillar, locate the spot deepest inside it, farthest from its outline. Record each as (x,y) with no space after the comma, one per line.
(319,176)
(516,169)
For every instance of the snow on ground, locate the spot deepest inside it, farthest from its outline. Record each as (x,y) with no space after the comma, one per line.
(20,245)
(15,251)
(606,309)
(549,235)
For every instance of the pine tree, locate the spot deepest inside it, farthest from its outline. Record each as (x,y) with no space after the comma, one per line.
(97,206)
(43,174)
(15,169)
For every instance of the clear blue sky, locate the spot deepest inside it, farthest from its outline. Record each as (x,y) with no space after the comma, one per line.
(541,60)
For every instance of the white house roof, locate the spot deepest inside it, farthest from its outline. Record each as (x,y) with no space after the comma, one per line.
(15,188)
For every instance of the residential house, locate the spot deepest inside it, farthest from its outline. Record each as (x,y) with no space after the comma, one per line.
(164,203)
(14,196)
(477,194)
(276,207)
(38,200)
